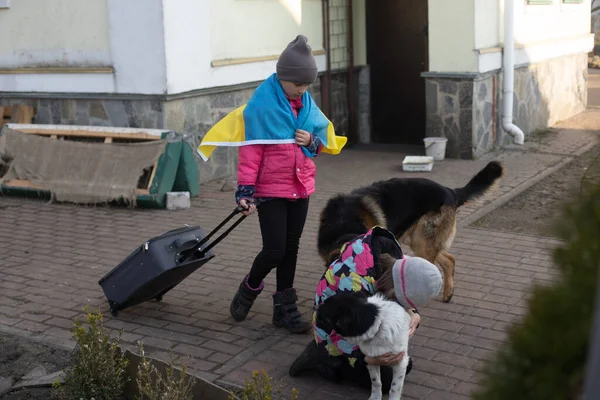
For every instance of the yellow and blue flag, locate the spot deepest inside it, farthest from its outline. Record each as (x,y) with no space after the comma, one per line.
(268,118)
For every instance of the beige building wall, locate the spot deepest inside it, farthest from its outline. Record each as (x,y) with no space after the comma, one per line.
(54,33)
(246,29)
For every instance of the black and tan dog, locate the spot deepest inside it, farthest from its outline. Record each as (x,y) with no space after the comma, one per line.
(420,212)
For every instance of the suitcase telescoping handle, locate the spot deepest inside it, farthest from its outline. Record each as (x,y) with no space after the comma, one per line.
(201,243)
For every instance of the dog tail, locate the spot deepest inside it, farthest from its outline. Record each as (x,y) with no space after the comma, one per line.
(480,183)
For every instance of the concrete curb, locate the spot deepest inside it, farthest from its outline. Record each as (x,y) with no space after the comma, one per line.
(505,198)
(48,340)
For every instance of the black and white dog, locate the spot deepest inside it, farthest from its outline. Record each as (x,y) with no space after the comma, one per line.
(379,325)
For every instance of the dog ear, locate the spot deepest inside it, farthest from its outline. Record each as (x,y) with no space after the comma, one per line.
(345,324)
(361,295)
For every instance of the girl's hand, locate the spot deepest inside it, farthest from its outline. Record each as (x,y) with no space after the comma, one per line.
(415,319)
(385,360)
(303,138)
(249,208)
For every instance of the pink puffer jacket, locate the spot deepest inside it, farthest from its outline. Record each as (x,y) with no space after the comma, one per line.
(277,170)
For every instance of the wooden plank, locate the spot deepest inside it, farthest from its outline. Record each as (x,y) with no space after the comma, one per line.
(25,184)
(7,112)
(57,70)
(108,140)
(83,133)
(87,128)
(23,114)
(20,183)
(250,60)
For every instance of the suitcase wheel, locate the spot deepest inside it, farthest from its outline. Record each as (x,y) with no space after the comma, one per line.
(158,298)
(114,313)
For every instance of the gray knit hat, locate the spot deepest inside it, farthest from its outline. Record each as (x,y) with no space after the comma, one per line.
(416,281)
(297,63)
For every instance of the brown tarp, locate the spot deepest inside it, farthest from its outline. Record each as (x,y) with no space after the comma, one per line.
(77,171)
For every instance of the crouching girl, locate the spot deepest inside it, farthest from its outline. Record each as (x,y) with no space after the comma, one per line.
(367,264)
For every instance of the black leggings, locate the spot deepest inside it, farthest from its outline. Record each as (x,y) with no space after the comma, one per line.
(281,225)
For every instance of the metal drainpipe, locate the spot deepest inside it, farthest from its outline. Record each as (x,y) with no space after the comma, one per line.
(508,68)
(350,91)
(326,83)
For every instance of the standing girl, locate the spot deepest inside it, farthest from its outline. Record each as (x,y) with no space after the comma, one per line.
(279,131)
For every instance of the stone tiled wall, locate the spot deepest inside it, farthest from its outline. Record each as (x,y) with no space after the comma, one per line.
(99,112)
(467,109)
(338,33)
(548,92)
(339,102)
(193,115)
(485,126)
(449,104)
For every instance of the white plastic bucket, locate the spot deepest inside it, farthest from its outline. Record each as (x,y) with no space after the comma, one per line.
(435,147)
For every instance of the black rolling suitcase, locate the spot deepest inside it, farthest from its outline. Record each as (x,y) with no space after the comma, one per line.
(160,264)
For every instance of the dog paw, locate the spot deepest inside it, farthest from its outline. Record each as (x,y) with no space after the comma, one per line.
(448,298)
(373,397)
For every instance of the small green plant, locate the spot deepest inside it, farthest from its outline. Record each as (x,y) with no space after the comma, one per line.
(173,385)
(259,387)
(99,366)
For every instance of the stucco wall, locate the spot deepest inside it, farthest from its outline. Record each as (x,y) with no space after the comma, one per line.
(538,23)
(467,35)
(213,43)
(54,33)
(241,29)
(452,36)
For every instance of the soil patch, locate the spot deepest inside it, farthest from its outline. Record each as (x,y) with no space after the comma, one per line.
(18,356)
(537,210)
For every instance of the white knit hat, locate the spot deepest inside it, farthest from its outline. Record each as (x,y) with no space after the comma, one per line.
(416,281)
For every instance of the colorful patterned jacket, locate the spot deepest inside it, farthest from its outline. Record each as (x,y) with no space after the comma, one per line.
(356,270)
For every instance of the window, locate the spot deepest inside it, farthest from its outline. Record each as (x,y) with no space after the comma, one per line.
(539,2)
(4,3)
(572,1)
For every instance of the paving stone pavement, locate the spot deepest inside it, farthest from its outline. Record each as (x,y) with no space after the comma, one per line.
(52,256)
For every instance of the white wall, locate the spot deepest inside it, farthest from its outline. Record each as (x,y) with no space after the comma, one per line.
(467,35)
(487,23)
(452,36)
(538,23)
(253,28)
(137,46)
(542,32)
(54,33)
(198,32)
(154,46)
(533,23)
(187,43)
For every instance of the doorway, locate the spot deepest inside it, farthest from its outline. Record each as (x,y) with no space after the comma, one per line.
(397,53)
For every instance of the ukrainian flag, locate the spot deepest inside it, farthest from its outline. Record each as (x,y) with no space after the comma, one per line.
(268,118)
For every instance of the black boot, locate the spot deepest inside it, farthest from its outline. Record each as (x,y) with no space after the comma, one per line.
(286,314)
(243,300)
(308,360)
